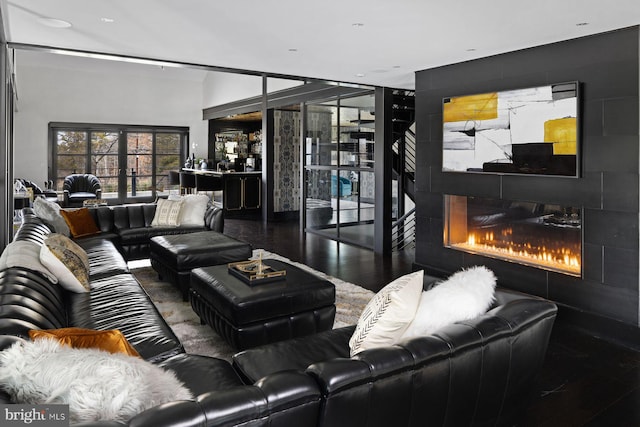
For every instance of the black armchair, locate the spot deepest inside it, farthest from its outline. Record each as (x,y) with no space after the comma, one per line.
(80,187)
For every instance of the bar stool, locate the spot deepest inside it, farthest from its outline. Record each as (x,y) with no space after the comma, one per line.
(208,183)
(187,183)
(174,179)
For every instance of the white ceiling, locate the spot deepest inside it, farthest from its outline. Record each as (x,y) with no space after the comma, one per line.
(374,42)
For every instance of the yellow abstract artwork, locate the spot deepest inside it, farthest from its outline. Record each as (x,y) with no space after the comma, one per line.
(473,107)
(562,133)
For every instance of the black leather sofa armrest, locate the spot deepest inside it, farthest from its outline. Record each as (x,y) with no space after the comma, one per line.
(339,374)
(183,413)
(289,398)
(214,219)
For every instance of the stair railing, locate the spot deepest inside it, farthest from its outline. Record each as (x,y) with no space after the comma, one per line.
(403,232)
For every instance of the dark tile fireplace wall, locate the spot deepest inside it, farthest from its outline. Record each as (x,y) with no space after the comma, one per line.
(607,67)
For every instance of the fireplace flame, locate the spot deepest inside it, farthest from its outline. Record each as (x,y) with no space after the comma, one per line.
(561,258)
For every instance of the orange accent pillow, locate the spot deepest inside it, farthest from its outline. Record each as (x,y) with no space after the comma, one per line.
(80,222)
(112,340)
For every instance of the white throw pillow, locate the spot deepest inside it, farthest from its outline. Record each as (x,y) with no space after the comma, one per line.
(49,212)
(25,254)
(193,209)
(67,261)
(388,314)
(96,385)
(167,213)
(465,295)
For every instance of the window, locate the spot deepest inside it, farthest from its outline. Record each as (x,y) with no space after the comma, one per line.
(132,162)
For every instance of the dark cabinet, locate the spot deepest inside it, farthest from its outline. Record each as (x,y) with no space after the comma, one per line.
(242,193)
(252,192)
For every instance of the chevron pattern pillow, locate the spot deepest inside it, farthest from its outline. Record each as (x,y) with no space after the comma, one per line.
(388,314)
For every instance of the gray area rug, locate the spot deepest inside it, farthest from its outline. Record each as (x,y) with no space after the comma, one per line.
(201,339)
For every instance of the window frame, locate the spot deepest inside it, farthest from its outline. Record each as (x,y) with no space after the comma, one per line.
(121,129)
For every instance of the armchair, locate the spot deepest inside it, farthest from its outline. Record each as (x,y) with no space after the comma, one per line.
(345,186)
(80,187)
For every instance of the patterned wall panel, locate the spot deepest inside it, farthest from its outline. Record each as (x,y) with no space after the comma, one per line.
(319,128)
(286,163)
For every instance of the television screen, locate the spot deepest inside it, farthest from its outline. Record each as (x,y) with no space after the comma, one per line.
(521,131)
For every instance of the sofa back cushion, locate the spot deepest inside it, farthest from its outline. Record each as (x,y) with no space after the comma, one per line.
(474,372)
(103,217)
(29,301)
(133,216)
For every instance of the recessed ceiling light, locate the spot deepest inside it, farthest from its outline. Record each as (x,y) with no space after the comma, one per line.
(293,49)
(54,23)
(107,20)
(360,75)
(471,49)
(581,24)
(397,66)
(357,25)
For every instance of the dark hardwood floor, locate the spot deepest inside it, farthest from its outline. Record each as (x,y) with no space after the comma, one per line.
(585,381)
(349,263)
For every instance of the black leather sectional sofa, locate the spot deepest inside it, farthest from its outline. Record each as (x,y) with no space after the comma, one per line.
(129,227)
(477,372)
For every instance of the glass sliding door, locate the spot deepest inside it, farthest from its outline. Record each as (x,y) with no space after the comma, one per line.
(132,163)
(339,149)
(167,158)
(105,161)
(139,174)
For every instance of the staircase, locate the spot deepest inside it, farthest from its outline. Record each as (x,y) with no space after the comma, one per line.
(404,168)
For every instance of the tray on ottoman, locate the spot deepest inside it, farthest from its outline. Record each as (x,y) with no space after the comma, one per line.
(174,256)
(247,316)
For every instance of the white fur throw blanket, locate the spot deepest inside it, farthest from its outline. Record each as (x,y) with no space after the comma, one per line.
(96,385)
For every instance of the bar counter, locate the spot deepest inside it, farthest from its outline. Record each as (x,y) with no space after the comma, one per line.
(242,191)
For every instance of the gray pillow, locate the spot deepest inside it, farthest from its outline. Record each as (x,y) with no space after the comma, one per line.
(49,212)
(25,254)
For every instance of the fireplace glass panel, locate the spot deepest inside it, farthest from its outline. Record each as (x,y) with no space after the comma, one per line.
(546,236)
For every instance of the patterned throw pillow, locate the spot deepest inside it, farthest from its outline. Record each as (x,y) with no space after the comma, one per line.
(388,314)
(67,261)
(167,213)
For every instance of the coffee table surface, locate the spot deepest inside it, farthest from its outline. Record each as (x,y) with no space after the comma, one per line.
(241,303)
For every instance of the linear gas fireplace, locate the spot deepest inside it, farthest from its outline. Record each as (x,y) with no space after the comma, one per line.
(546,236)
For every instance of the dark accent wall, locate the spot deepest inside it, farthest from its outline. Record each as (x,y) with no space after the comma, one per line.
(607,67)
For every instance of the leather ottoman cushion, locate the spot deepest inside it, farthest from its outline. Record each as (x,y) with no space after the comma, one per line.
(241,304)
(204,248)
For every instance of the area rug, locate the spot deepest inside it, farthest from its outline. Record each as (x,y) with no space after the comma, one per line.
(201,339)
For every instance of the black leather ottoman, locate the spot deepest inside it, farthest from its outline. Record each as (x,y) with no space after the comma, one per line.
(174,256)
(247,316)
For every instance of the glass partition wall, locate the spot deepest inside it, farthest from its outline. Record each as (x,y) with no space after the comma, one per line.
(339,169)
